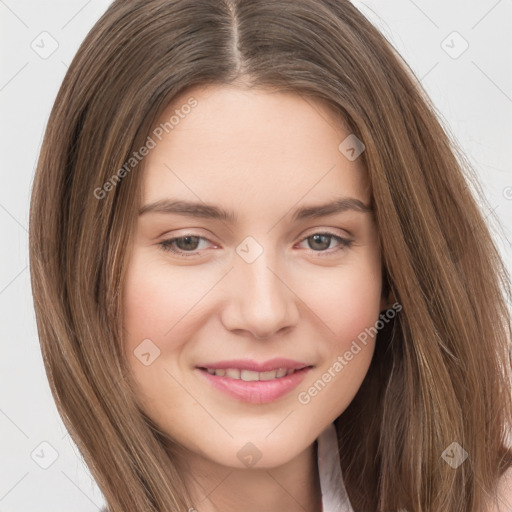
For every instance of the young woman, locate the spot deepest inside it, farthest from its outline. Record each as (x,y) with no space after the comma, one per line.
(261,278)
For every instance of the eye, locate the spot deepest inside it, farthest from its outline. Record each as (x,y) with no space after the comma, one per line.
(185,244)
(322,241)
(189,244)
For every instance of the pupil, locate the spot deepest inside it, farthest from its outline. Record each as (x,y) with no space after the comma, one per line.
(316,237)
(187,239)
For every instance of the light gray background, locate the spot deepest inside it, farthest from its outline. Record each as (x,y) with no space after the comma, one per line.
(473,94)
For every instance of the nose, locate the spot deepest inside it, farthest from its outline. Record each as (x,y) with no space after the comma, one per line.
(260,301)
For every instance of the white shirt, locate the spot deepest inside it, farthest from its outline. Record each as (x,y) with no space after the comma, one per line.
(334,495)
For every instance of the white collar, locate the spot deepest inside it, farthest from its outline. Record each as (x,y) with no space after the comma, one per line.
(334,495)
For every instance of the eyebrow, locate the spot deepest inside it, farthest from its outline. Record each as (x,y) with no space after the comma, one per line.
(210,211)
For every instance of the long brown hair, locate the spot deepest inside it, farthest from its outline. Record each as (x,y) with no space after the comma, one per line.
(440,374)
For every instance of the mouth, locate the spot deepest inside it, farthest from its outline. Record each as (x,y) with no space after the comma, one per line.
(250,375)
(254,387)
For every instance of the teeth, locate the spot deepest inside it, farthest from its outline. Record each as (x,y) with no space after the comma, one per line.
(232,373)
(249,375)
(268,375)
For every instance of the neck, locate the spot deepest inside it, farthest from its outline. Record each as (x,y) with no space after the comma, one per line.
(293,486)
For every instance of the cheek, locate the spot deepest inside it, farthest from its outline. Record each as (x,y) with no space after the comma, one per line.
(346,306)
(345,300)
(357,305)
(156,299)
(163,308)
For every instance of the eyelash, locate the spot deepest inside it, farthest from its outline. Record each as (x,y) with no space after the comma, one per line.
(167,245)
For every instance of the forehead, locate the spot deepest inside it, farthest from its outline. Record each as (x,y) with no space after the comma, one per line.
(250,146)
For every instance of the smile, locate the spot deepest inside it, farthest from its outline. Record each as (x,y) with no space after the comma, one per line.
(251,386)
(249,375)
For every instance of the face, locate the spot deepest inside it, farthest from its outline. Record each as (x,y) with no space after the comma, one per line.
(277,277)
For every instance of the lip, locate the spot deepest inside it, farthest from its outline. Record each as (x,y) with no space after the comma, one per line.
(255,392)
(255,366)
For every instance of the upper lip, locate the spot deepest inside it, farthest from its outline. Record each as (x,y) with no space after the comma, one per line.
(249,364)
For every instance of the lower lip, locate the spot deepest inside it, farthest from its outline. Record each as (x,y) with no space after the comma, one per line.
(256,392)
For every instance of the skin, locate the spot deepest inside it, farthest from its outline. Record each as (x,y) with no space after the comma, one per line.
(261,154)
